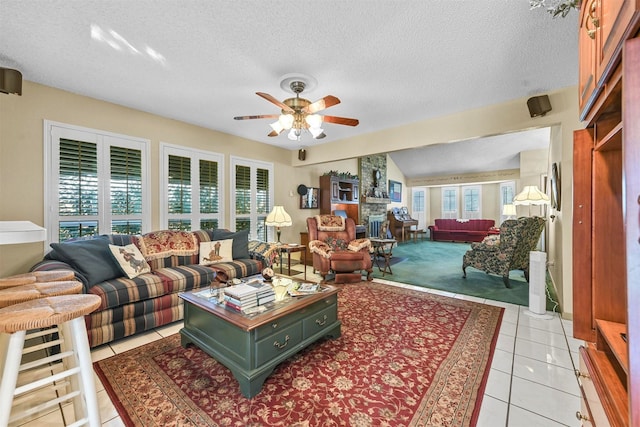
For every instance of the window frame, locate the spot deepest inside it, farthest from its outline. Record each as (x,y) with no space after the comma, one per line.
(195,155)
(104,140)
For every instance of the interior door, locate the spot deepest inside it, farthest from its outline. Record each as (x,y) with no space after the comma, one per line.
(419,206)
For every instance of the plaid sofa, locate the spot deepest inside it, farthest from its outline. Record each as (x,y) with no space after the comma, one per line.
(130,306)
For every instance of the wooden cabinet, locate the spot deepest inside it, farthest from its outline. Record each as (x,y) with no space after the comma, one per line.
(604,26)
(606,227)
(340,194)
(340,190)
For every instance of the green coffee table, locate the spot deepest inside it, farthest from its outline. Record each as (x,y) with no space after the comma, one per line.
(252,346)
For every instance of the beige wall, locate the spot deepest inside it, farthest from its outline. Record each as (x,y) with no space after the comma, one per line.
(21,156)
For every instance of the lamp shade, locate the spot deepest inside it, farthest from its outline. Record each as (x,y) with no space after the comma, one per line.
(509,210)
(531,195)
(14,232)
(278,217)
(286,120)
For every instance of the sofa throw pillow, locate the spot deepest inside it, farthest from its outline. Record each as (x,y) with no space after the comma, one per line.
(216,251)
(130,259)
(92,258)
(336,244)
(240,241)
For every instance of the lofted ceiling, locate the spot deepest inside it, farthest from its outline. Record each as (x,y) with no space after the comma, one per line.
(201,62)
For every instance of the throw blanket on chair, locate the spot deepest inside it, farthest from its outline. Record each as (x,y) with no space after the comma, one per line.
(330,223)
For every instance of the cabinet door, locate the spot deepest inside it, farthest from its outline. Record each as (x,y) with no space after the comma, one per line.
(587,51)
(583,324)
(615,22)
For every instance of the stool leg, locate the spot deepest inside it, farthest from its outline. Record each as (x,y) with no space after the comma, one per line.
(11,346)
(75,336)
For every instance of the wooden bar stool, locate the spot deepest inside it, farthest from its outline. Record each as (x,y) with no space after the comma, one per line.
(31,291)
(63,318)
(36,277)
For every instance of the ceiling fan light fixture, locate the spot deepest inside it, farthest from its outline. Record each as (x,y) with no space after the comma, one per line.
(294,134)
(314,120)
(316,132)
(286,120)
(277,126)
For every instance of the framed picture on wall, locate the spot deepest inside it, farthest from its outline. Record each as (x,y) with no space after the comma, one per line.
(310,200)
(395,191)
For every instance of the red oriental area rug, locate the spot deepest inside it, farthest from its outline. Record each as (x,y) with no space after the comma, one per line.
(405,358)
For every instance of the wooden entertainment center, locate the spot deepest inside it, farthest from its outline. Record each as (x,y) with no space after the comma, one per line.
(340,194)
(606,214)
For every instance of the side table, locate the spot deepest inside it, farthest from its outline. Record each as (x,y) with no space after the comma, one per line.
(382,248)
(288,249)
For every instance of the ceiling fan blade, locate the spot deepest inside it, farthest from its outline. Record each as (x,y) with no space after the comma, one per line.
(273,100)
(340,120)
(321,104)
(262,116)
(273,133)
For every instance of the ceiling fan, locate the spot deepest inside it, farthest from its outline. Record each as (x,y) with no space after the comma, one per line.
(299,114)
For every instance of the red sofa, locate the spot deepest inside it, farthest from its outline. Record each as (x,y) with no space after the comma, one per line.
(462,230)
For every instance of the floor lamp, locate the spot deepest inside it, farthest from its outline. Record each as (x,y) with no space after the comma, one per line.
(277,218)
(531,195)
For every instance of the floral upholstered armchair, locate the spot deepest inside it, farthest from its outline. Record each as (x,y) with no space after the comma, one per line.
(335,249)
(509,250)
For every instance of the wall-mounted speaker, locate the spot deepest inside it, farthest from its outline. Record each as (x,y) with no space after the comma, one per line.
(539,105)
(10,81)
(302,154)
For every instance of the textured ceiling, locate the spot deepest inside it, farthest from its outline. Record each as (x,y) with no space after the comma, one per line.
(201,62)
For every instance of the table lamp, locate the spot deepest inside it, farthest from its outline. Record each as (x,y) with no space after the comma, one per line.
(277,218)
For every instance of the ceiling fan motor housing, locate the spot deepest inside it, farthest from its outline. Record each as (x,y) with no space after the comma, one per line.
(297,86)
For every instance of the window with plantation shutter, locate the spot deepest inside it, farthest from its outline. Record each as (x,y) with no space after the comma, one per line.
(126,190)
(192,179)
(77,189)
(252,188)
(95,183)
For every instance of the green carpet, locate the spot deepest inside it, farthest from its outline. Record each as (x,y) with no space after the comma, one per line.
(438,265)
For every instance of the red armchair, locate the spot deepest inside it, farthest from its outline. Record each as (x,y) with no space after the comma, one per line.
(335,249)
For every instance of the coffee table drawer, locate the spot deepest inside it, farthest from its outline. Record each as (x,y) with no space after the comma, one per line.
(319,321)
(278,343)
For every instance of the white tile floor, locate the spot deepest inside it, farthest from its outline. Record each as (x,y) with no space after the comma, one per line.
(531,381)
